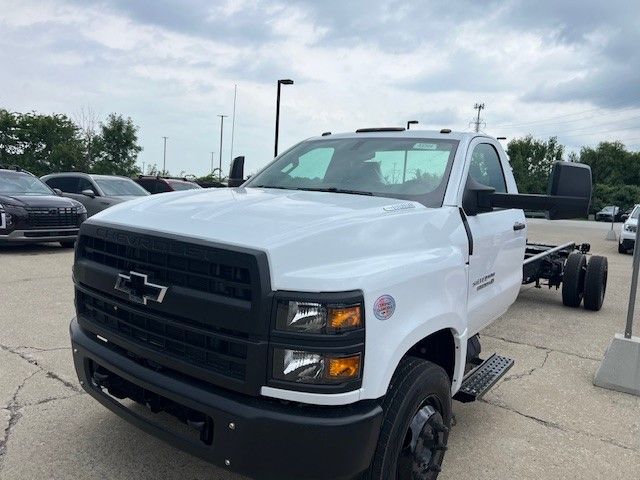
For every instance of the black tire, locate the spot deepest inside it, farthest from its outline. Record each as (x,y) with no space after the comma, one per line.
(417,386)
(573,279)
(68,244)
(621,249)
(595,283)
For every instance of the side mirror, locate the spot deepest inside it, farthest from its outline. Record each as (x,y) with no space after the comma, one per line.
(477,197)
(236,173)
(572,180)
(89,193)
(58,192)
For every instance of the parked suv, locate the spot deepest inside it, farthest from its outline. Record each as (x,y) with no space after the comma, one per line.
(95,192)
(30,211)
(159,184)
(607,214)
(628,233)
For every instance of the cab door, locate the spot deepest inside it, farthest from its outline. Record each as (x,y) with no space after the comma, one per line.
(499,240)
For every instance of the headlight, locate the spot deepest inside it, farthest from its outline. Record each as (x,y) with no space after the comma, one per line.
(630,228)
(315,368)
(81,209)
(317,318)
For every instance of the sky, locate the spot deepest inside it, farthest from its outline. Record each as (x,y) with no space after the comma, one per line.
(544,67)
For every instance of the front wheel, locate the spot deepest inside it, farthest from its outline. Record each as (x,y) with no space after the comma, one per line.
(415,427)
(621,249)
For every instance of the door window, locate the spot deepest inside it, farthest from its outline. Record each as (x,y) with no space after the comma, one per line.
(65,184)
(84,184)
(486,169)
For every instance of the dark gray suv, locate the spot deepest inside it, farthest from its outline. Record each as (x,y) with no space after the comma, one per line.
(95,192)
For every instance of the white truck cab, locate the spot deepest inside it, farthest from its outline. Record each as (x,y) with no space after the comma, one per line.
(322,315)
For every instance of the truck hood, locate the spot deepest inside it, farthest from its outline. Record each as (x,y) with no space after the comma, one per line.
(38,201)
(303,233)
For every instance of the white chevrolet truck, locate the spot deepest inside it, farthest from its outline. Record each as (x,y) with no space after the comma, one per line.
(317,321)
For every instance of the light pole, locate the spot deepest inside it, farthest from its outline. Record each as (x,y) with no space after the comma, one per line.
(233,119)
(411,122)
(222,117)
(164,156)
(285,81)
(212,163)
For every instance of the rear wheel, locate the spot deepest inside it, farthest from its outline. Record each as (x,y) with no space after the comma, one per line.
(573,279)
(68,244)
(595,283)
(415,426)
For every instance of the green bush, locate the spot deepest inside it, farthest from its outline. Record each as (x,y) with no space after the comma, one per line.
(624,196)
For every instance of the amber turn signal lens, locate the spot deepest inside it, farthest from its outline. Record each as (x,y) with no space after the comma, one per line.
(345,318)
(344,368)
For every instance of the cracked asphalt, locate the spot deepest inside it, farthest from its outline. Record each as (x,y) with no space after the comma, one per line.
(544,420)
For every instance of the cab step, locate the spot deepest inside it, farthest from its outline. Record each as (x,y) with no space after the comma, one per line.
(480,380)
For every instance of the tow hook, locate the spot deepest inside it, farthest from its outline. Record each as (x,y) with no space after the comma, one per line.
(100,379)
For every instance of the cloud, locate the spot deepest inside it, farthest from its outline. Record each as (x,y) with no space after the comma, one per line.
(171,65)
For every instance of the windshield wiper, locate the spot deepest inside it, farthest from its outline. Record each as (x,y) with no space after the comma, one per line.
(316,189)
(270,186)
(335,190)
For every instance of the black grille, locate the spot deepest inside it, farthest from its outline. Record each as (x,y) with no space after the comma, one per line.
(53,216)
(173,263)
(205,346)
(213,321)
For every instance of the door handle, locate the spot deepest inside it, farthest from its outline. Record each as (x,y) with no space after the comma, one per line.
(519,226)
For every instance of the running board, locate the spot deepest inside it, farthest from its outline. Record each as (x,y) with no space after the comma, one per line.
(480,380)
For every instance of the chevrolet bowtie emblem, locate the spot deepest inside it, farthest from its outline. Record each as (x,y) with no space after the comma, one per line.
(139,289)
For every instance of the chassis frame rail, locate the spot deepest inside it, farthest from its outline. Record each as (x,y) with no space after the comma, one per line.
(546,262)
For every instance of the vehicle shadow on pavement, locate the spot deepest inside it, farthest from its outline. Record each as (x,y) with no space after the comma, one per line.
(33,249)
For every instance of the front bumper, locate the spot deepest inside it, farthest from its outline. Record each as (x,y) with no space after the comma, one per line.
(269,439)
(41,235)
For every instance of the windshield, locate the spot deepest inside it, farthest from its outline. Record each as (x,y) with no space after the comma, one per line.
(635,212)
(178,185)
(120,187)
(407,168)
(17,183)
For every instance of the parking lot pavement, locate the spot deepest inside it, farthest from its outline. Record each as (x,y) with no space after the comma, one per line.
(544,420)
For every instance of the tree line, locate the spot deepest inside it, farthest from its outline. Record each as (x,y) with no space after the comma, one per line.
(45,144)
(615,170)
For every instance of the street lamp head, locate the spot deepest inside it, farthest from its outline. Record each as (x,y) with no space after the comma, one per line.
(286,81)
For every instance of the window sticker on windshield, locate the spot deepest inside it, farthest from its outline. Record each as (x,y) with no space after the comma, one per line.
(425,146)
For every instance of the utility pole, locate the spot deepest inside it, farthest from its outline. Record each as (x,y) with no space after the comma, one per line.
(479,107)
(212,163)
(222,117)
(164,156)
(233,119)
